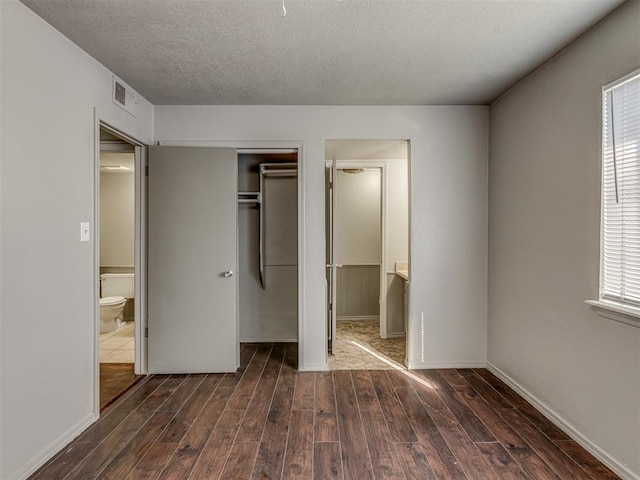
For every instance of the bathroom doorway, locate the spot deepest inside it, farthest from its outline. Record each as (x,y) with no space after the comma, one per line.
(367,238)
(117,250)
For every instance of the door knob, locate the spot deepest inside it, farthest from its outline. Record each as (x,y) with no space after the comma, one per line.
(228,273)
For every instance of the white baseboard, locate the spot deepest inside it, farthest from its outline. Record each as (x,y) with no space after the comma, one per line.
(565,426)
(428,365)
(395,335)
(268,340)
(359,318)
(45,455)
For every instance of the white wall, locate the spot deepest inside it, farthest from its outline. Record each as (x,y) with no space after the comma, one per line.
(117,209)
(448,199)
(397,212)
(397,245)
(358,217)
(49,88)
(544,217)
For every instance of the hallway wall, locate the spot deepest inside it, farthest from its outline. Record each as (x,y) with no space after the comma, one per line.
(49,89)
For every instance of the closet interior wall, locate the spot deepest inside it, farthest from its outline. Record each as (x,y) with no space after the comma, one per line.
(268,313)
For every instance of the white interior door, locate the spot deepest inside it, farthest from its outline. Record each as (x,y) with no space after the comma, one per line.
(192,260)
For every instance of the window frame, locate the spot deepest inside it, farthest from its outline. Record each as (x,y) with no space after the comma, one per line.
(605,306)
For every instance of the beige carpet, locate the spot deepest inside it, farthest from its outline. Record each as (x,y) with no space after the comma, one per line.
(359,347)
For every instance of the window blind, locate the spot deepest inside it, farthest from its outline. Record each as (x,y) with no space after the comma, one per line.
(620,274)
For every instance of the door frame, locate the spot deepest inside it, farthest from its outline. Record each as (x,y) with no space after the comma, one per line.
(101,122)
(273,147)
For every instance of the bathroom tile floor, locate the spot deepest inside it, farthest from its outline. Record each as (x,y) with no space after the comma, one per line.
(359,347)
(117,346)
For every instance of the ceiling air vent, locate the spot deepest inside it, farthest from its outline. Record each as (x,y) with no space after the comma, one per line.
(124,96)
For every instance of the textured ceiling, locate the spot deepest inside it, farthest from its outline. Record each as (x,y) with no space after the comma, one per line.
(352,52)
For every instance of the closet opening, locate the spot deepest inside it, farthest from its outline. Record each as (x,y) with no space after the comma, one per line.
(268,250)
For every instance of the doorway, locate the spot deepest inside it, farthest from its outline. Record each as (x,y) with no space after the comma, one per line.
(118,265)
(367,229)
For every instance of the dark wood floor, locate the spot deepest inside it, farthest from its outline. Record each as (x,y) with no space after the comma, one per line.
(115,380)
(268,421)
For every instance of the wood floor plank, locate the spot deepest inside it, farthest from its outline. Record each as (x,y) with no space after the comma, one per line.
(240,462)
(247,384)
(365,392)
(213,457)
(212,460)
(426,390)
(299,455)
(64,462)
(471,460)
(398,379)
(553,456)
(326,420)
(356,461)
(590,464)
(270,459)
(100,456)
(187,414)
(530,462)
(500,460)
(304,393)
(327,462)
(524,407)
(269,462)
(276,357)
(487,391)
(465,416)
(153,462)
(413,459)
(133,451)
(399,426)
(452,376)
(258,409)
(384,460)
(183,392)
(441,458)
(383,456)
(185,456)
(118,412)
(269,421)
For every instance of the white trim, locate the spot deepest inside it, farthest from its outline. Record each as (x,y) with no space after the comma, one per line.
(267,340)
(140,260)
(102,122)
(314,367)
(621,80)
(445,364)
(358,318)
(564,425)
(53,448)
(396,335)
(617,312)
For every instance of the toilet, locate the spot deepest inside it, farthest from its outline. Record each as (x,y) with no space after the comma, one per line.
(115,289)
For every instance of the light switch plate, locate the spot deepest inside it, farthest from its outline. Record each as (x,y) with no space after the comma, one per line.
(85,232)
